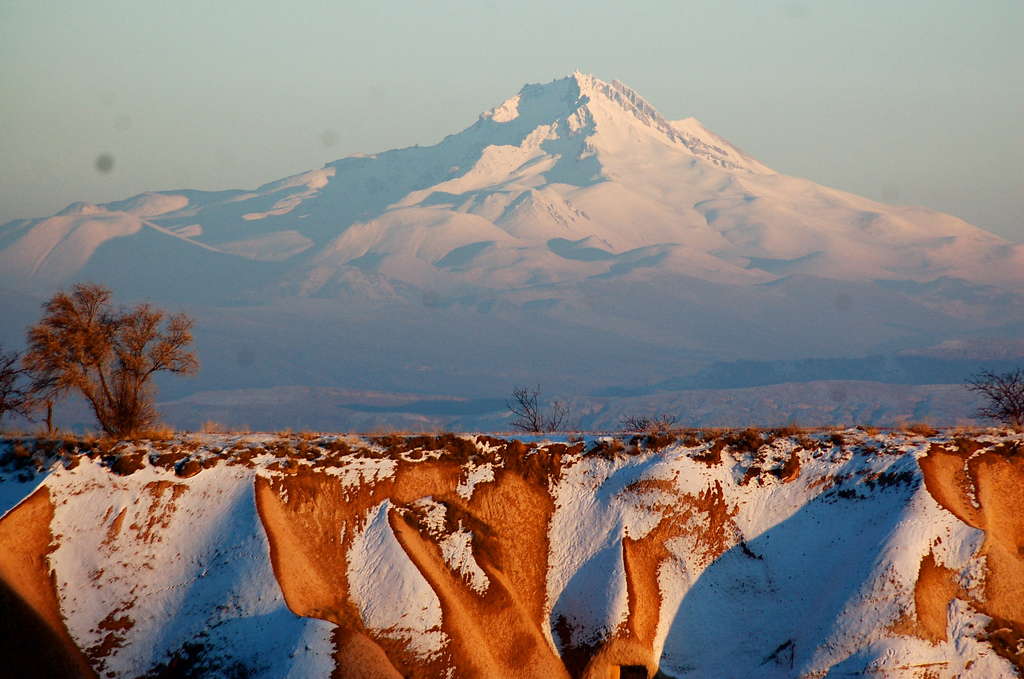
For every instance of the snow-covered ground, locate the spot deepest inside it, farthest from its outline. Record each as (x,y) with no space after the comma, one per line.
(705,554)
(148,564)
(571,237)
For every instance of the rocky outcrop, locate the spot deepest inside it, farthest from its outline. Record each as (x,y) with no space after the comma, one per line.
(702,553)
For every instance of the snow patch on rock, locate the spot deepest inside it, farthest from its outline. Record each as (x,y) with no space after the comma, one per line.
(151,563)
(474,474)
(457,550)
(389,591)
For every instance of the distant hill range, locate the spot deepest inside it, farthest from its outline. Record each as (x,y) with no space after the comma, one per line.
(571,237)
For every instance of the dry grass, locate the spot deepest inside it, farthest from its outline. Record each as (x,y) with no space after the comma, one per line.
(920,429)
(608,448)
(658,440)
(836,439)
(747,440)
(712,455)
(211,427)
(161,433)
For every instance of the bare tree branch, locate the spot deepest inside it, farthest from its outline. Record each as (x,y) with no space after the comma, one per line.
(15,396)
(529,416)
(1003,394)
(643,423)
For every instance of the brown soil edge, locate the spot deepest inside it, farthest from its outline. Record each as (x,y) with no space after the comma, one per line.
(299,575)
(357,656)
(297,571)
(947,480)
(489,636)
(994,478)
(935,588)
(34,641)
(309,535)
(632,644)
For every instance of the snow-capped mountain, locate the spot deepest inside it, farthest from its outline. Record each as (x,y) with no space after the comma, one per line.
(564,181)
(573,207)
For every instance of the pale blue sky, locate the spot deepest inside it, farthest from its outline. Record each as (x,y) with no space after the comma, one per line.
(911,101)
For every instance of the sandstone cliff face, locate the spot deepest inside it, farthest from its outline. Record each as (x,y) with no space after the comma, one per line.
(708,554)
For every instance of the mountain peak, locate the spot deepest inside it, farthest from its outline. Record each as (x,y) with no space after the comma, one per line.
(564,97)
(557,98)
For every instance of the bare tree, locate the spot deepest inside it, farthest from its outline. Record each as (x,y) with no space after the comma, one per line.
(82,344)
(1003,394)
(530,417)
(644,423)
(15,397)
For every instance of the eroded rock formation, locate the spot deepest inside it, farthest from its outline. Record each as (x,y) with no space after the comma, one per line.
(734,554)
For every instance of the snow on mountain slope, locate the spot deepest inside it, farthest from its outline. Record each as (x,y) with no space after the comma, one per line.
(150,204)
(573,159)
(699,138)
(717,554)
(63,244)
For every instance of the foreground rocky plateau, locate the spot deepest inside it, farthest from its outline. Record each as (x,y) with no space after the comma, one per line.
(701,553)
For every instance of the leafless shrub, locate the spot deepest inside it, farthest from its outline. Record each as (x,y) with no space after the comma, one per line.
(656,424)
(1003,394)
(530,417)
(607,448)
(15,396)
(748,440)
(920,429)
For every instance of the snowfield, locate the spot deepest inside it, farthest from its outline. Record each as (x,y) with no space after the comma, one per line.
(702,553)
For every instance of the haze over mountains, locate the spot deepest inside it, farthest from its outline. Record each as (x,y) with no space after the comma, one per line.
(571,237)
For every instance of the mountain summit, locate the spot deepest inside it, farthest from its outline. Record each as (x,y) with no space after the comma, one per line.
(582,103)
(573,209)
